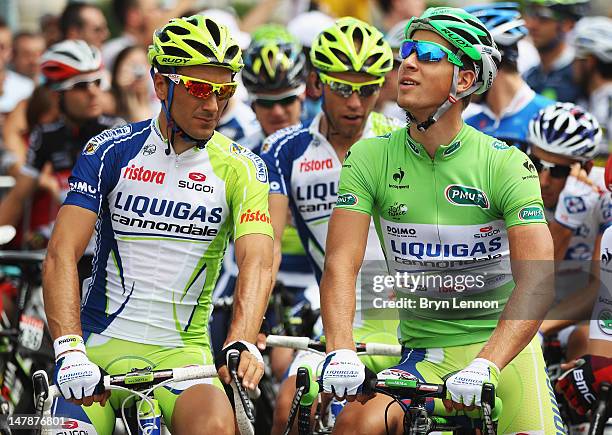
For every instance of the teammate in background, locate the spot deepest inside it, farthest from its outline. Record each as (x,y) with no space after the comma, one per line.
(508,106)
(274,77)
(467,198)
(596,366)
(73,71)
(593,70)
(549,23)
(172,191)
(563,139)
(305,162)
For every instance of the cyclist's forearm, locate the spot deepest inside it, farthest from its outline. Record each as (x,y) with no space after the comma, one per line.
(508,340)
(338,304)
(574,308)
(252,291)
(61,293)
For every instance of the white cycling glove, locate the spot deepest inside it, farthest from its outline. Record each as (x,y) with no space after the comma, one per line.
(75,376)
(466,386)
(343,373)
(576,201)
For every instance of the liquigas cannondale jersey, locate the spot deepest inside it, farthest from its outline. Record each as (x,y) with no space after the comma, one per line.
(163,225)
(304,166)
(447,216)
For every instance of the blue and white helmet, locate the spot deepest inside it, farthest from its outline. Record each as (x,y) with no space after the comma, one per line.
(565,129)
(503,21)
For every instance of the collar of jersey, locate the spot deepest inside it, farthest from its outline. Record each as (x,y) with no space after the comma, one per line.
(193,151)
(444,152)
(313,129)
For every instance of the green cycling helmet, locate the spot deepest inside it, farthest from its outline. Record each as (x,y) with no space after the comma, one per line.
(195,40)
(471,38)
(352,45)
(272,32)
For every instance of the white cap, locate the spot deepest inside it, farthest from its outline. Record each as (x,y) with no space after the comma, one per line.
(307,26)
(229,20)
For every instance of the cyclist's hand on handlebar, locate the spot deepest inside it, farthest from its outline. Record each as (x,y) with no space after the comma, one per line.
(343,375)
(250,367)
(580,383)
(79,380)
(261,341)
(465,386)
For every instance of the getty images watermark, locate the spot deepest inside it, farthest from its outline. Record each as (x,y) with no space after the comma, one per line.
(428,291)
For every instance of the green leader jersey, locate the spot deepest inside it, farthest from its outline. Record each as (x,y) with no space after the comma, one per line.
(444,219)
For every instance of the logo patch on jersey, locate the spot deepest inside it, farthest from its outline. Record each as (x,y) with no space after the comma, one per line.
(143,174)
(197,176)
(466,196)
(347,199)
(499,145)
(604,321)
(574,204)
(485,232)
(84,188)
(531,213)
(95,142)
(265,147)
(396,209)
(401,231)
(527,164)
(398,176)
(254,216)
(316,165)
(149,149)
(452,148)
(261,172)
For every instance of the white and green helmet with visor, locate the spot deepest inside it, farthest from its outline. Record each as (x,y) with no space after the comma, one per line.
(472,41)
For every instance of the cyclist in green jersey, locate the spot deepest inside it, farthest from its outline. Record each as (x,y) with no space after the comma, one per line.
(446,199)
(165,195)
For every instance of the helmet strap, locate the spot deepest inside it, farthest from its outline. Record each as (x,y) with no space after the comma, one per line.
(452,98)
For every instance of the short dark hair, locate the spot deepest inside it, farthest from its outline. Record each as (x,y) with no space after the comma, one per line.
(120,8)
(3,23)
(71,16)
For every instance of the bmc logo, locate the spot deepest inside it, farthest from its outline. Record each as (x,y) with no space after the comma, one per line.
(316,165)
(254,216)
(197,176)
(142,174)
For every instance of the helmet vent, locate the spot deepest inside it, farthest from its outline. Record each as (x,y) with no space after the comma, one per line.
(341,56)
(213,29)
(322,58)
(177,30)
(177,52)
(372,59)
(358,37)
(232,52)
(68,54)
(330,37)
(200,48)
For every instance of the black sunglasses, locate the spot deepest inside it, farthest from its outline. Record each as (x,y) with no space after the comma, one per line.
(556,171)
(268,104)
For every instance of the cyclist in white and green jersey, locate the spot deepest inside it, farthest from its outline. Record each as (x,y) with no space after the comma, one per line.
(165,196)
(449,201)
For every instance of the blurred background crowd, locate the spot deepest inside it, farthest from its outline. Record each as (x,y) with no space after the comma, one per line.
(551,61)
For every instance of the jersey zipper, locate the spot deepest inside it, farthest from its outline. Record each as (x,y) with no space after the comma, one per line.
(435,183)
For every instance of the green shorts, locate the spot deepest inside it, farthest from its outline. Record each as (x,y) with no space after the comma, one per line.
(117,356)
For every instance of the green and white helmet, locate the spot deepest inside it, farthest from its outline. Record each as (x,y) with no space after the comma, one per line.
(352,45)
(195,40)
(472,40)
